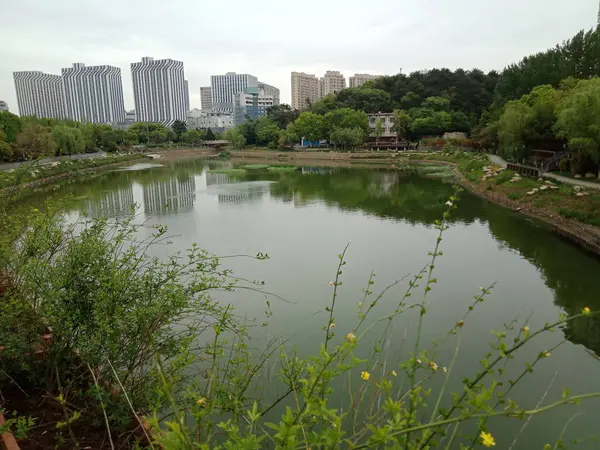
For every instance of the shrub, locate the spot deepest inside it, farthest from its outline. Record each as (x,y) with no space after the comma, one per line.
(112,308)
(504,176)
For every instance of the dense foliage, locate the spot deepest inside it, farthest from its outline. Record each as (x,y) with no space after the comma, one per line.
(30,137)
(579,57)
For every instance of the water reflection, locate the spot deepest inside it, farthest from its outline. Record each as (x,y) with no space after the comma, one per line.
(169,196)
(111,203)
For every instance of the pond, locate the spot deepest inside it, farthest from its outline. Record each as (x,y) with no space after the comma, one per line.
(304,218)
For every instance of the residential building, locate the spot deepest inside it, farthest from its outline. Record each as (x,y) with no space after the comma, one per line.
(271,91)
(332,83)
(251,103)
(40,94)
(94,93)
(159,90)
(3,106)
(206,98)
(215,120)
(305,90)
(360,78)
(226,87)
(387,122)
(186,87)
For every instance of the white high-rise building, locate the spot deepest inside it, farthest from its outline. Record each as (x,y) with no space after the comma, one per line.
(94,93)
(186,86)
(206,98)
(305,90)
(270,91)
(360,78)
(332,83)
(159,91)
(40,94)
(226,87)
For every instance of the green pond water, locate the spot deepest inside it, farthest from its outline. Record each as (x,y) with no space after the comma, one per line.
(304,218)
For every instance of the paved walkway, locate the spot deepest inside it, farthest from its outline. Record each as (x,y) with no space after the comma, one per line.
(499,161)
(41,162)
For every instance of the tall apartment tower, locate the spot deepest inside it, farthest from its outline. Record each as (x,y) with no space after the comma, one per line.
(332,83)
(206,98)
(599,16)
(359,79)
(270,91)
(94,94)
(159,91)
(186,87)
(305,90)
(226,87)
(40,94)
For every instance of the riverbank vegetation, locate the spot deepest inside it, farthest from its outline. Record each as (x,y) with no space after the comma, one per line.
(35,172)
(26,138)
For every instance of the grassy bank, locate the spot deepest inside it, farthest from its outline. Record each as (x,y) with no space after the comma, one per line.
(33,173)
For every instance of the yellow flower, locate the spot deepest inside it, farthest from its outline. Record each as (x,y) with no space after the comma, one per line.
(201,401)
(350,337)
(487,440)
(586,311)
(526,329)
(394,373)
(331,326)
(547,355)
(433,366)
(365,375)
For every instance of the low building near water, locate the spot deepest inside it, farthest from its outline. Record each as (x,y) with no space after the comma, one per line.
(387,121)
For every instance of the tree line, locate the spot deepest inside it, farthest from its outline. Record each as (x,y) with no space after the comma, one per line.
(31,137)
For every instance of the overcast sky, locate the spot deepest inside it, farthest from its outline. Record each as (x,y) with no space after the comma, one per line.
(271,38)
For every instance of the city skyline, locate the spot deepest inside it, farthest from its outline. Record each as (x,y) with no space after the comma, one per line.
(394,34)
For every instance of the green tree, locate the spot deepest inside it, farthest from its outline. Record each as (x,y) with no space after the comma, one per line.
(512,129)
(235,137)
(410,100)
(6,150)
(578,121)
(267,131)
(402,124)
(289,136)
(345,138)
(324,104)
(210,136)
(193,137)
(68,140)
(378,129)
(311,126)
(179,127)
(35,140)
(348,118)
(365,99)
(10,125)
(437,104)
(282,115)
